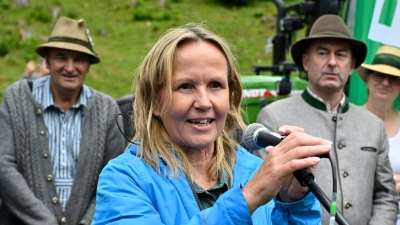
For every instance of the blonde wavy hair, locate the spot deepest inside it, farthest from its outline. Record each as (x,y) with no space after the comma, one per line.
(154,74)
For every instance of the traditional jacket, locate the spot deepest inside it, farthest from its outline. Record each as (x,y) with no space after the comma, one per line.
(27,186)
(131,192)
(366,189)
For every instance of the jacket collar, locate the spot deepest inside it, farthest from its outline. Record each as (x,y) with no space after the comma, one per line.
(320,105)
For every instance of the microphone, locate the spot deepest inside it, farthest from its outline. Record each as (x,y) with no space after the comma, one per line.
(256,136)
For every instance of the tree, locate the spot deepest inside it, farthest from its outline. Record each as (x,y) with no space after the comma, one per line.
(21,3)
(163,4)
(133,4)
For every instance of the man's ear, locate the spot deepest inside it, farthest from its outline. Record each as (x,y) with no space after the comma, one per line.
(47,62)
(304,60)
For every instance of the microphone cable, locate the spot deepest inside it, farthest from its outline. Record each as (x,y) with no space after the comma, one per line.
(324,200)
(250,140)
(332,210)
(120,130)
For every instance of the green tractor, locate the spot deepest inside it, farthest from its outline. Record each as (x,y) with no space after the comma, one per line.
(376,23)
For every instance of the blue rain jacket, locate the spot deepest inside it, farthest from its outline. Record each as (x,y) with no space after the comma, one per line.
(131,192)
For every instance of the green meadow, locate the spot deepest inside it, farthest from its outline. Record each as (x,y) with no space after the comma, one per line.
(123,34)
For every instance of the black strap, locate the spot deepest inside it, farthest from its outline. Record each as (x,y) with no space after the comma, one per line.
(195,195)
(30,84)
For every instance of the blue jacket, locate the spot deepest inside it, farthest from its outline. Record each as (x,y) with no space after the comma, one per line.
(131,192)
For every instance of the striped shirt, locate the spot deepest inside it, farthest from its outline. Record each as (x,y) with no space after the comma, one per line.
(64,133)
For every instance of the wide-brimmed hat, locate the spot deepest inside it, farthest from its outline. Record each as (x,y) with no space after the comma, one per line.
(72,35)
(329,26)
(386,60)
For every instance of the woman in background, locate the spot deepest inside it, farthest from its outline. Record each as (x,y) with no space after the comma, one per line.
(382,77)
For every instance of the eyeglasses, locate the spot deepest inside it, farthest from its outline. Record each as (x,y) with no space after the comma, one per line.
(379,77)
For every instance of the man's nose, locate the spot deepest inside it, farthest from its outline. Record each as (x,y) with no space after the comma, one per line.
(69,65)
(332,59)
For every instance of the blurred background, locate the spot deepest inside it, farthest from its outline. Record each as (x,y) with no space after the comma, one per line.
(124,30)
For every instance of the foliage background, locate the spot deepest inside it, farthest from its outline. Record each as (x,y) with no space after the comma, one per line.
(122,35)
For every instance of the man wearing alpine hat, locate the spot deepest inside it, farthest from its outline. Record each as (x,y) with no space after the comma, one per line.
(56,135)
(366,191)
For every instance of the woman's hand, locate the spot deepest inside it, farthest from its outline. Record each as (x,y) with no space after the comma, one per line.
(297,151)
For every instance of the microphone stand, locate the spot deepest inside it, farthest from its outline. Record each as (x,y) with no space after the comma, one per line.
(306,178)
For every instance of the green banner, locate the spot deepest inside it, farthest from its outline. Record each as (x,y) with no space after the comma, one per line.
(377,23)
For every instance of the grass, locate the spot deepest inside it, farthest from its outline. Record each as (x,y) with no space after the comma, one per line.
(121,42)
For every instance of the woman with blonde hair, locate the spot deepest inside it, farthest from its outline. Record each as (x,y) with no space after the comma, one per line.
(183,166)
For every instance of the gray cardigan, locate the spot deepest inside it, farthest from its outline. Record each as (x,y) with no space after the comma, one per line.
(366,189)
(27,191)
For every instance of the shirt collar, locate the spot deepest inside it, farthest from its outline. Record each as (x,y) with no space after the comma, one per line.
(222,181)
(47,97)
(317,102)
